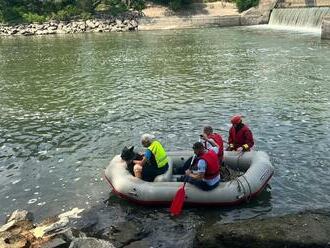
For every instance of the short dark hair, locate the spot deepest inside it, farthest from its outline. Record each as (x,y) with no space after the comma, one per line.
(208,129)
(198,145)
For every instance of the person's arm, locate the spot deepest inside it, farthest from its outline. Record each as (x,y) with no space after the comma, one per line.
(147,156)
(249,142)
(141,162)
(211,141)
(231,139)
(199,175)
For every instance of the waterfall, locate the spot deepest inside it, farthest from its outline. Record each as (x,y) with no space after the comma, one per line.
(299,18)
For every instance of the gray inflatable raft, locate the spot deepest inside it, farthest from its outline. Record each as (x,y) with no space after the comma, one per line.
(256,165)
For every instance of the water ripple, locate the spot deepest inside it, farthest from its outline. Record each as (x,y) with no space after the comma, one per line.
(70,103)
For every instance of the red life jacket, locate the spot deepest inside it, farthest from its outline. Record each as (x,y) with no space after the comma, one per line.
(243,136)
(212,164)
(218,139)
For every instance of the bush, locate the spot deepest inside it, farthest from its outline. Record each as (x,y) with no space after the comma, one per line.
(85,16)
(66,14)
(32,17)
(117,7)
(138,4)
(86,5)
(243,5)
(175,4)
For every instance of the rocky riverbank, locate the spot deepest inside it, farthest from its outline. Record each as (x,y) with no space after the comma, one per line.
(126,22)
(95,228)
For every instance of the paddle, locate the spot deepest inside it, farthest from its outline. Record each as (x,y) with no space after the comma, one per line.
(178,200)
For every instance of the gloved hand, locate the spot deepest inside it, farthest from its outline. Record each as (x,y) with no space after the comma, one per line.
(245,147)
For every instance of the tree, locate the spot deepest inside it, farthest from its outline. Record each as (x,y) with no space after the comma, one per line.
(88,5)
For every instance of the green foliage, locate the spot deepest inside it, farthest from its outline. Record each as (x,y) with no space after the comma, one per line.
(138,4)
(117,7)
(32,17)
(102,7)
(86,5)
(243,5)
(41,10)
(66,14)
(85,15)
(175,4)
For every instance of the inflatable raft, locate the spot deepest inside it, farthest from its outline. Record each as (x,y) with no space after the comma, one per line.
(255,165)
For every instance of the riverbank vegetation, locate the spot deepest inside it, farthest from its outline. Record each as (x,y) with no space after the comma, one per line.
(29,11)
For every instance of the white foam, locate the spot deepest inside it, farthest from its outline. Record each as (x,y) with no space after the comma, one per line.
(31,201)
(41,203)
(17,181)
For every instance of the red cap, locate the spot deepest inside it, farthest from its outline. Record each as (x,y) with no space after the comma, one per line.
(236,119)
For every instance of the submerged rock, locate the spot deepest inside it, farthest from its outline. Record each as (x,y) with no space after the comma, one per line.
(91,243)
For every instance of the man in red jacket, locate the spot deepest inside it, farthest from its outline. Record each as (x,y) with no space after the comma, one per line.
(211,139)
(240,136)
(207,176)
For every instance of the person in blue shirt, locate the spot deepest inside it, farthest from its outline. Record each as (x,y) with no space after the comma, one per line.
(154,162)
(207,175)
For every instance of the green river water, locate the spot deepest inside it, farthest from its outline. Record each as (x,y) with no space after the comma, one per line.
(70,103)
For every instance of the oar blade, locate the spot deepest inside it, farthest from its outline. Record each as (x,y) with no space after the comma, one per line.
(177,202)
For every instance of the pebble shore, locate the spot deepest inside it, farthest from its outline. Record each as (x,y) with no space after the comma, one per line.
(127,22)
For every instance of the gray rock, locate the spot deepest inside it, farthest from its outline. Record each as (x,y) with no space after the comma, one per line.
(134,23)
(90,243)
(125,233)
(118,22)
(139,244)
(52,27)
(296,230)
(7,226)
(56,243)
(19,215)
(90,24)
(71,234)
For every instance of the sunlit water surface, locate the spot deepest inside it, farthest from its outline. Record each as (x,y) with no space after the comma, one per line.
(70,103)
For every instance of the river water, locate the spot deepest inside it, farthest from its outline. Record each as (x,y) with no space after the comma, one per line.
(70,103)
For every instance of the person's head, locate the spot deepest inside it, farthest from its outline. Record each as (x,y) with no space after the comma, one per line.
(198,148)
(236,120)
(208,130)
(147,139)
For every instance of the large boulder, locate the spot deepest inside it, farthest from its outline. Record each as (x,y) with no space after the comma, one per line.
(296,230)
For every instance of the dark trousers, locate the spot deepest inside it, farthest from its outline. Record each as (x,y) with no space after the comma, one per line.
(150,171)
(199,183)
(181,170)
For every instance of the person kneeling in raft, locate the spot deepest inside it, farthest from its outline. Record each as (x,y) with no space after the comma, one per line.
(207,176)
(240,136)
(154,162)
